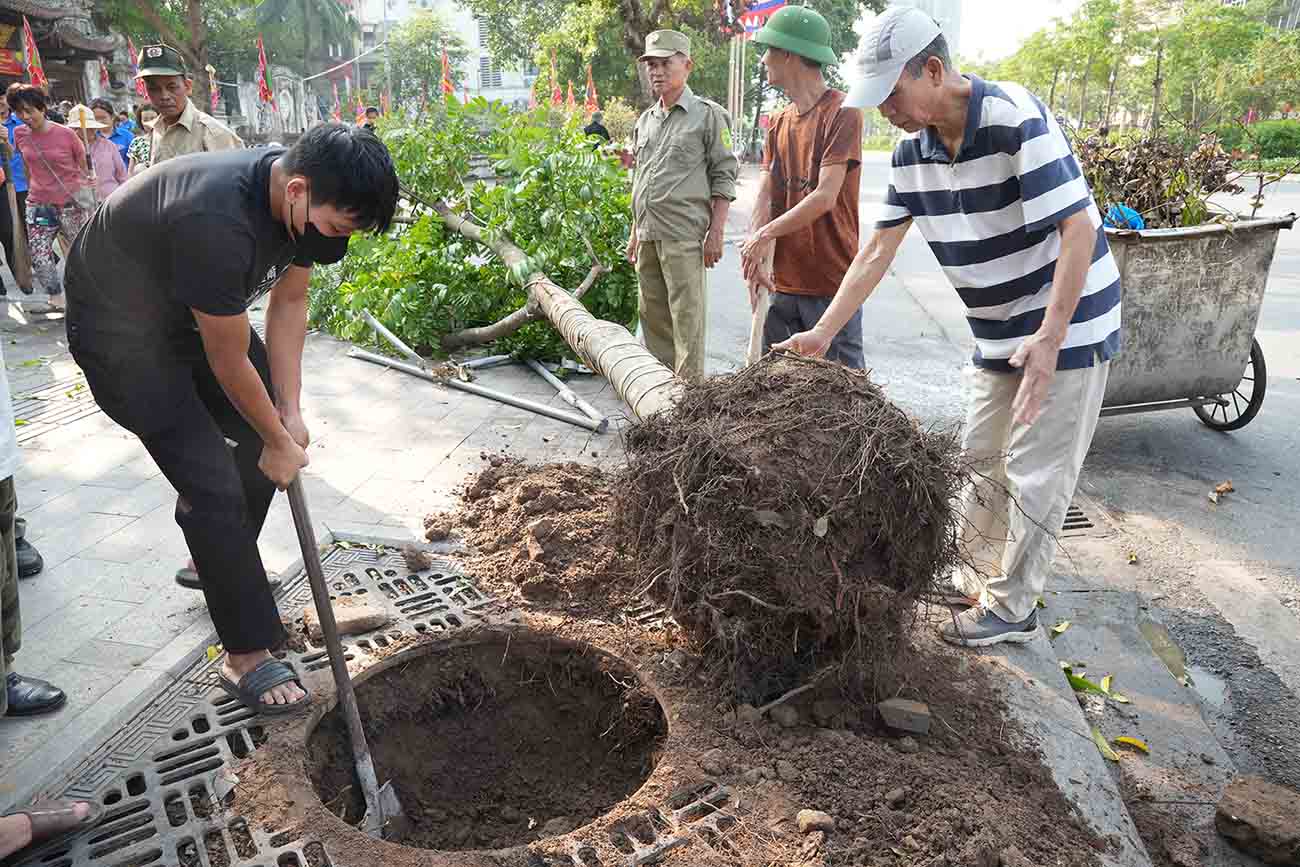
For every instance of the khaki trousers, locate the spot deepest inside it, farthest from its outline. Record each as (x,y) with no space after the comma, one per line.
(1013,511)
(674,303)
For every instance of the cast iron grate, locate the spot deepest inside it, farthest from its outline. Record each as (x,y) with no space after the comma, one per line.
(1077,523)
(159,774)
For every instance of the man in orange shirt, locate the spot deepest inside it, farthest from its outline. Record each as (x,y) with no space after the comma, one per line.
(804,231)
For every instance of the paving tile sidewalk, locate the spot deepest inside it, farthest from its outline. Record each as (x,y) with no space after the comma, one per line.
(105,621)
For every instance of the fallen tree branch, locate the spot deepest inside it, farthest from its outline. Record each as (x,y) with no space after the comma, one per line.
(508,325)
(644,383)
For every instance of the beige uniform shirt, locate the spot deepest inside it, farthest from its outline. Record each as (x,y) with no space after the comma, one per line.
(194,131)
(683,161)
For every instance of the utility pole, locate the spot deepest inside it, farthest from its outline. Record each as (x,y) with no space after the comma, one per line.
(388,65)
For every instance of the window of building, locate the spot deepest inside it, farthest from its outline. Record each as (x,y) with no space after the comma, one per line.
(482,32)
(489,74)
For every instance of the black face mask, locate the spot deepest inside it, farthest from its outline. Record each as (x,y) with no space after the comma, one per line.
(321,249)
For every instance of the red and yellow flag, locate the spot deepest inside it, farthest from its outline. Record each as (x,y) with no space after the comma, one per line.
(592,104)
(263,84)
(337,113)
(557,95)
(32,57)
(447,87)
(140,89)
(569,102)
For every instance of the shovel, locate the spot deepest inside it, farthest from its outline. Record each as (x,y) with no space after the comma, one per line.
(384,817)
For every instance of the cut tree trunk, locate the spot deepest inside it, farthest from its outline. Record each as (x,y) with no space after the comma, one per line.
(644,383)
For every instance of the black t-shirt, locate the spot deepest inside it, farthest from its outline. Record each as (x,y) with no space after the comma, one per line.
(594,128)
(192,232)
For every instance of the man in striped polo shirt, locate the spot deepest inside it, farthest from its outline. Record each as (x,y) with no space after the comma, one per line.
(990,180)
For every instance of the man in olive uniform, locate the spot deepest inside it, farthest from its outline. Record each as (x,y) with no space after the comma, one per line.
(684,184)
(181,128)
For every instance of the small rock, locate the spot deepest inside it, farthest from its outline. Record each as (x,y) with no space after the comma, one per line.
(1259,818)
(541,528)
(747,713)
(715,762)
(678,658)
(910,842)
(814,820)
(417,559)
(559,825)
(1207,758)
(753,776)
(769,773)
(352,617)
(895,797)
(907,745)
(535,549)
(461,834)
(784,716)
(905,715)
(510,814)
(786,770)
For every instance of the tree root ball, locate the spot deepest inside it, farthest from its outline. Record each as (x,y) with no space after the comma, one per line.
(788,516)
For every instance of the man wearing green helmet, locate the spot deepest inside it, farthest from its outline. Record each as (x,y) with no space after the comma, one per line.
(804,231)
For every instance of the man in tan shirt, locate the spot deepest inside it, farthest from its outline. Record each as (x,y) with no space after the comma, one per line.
(181,128)
(684,184)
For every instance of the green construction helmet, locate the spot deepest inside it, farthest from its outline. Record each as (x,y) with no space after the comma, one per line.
(799,30)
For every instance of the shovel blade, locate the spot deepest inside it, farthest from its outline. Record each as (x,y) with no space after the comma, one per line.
(394,823)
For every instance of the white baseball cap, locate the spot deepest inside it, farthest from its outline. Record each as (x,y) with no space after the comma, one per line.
(898,35)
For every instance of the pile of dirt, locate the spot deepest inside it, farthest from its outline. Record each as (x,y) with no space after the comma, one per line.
(788,515)
(541,532)
(496,744)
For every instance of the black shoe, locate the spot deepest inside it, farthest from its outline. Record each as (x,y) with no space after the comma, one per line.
(30,695)
(30,561)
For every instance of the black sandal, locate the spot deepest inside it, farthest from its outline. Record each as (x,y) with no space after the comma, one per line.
(189,579)
(52,820)
(252,686)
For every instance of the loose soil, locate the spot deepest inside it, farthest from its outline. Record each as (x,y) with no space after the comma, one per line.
(496,744)
(542,536)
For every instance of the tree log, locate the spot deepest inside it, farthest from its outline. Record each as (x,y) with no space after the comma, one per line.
(644,383)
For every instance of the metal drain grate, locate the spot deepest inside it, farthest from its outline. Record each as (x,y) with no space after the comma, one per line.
(158,775)
(690,813)
(1079,523)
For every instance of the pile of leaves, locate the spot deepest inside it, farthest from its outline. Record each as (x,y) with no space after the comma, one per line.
(532,176)
(1168,183)
(788,516)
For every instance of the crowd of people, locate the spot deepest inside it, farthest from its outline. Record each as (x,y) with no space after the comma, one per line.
(158,320)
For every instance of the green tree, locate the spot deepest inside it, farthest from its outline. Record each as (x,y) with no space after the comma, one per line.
(203,31)
(328,19)
(415,56)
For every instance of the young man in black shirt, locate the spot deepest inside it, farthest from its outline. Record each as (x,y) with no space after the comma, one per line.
(159,284)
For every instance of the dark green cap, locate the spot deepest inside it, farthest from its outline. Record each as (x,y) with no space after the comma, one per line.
(161,60)
(799,30)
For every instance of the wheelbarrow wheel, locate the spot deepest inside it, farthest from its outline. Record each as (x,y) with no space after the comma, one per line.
(1242,404)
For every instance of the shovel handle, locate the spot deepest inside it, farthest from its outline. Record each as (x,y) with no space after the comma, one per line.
(374,819)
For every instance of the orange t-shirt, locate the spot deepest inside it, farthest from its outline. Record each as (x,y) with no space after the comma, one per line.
(814,259)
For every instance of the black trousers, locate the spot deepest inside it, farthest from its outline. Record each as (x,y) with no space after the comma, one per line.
(170,398)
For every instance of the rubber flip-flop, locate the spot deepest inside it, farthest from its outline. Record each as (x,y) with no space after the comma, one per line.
(52,820)
(189,579)
(268,674)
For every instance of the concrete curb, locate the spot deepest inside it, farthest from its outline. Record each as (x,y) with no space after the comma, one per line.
(1041,701)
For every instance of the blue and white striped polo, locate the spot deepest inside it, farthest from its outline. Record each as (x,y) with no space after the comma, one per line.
(991,219)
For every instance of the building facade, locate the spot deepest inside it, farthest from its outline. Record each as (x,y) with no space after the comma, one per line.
(70,46)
